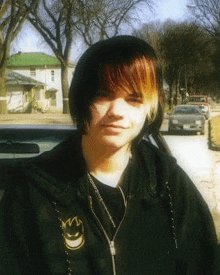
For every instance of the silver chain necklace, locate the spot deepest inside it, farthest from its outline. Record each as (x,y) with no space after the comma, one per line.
(101,201)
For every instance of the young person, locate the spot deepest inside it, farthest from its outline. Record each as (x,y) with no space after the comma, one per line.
(106,201)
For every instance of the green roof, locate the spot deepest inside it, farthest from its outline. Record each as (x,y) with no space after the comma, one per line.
(32,59)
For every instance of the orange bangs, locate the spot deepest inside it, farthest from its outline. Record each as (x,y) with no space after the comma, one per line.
(138,77)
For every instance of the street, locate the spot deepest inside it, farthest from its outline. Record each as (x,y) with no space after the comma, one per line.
(201,164)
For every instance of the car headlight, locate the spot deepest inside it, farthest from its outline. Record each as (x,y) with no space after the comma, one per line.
(174,121)
(198,122)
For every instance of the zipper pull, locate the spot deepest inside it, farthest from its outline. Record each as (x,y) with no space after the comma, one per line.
(112,248)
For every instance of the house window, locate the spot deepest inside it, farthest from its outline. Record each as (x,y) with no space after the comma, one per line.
(52,75)
(32,71)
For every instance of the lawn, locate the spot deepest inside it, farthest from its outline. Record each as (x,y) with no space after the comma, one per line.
(214,132)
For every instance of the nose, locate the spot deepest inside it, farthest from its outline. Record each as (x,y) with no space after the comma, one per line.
(117,107)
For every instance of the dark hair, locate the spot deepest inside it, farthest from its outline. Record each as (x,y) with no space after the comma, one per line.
(118,61)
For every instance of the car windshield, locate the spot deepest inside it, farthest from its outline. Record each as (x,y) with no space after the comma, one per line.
(38,65)
(198,99)
(186,111)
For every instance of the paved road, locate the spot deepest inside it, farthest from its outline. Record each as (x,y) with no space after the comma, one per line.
(201,164)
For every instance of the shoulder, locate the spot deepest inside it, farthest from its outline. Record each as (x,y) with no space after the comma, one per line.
(165,164)
(170,174)
(62,162)
(49,171)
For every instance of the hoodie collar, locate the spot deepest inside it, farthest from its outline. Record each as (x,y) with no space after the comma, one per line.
(156,170)
(60,173)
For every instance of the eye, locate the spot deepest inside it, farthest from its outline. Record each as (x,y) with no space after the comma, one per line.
(135,99)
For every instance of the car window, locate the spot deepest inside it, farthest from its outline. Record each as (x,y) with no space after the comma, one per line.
(34,78)
(38,73)
(186,110)
(198,99)
(31,140)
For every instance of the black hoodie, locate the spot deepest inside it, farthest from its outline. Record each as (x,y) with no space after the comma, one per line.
(48,226)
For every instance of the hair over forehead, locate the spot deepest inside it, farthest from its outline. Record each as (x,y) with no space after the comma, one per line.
(137,77)
(119,61)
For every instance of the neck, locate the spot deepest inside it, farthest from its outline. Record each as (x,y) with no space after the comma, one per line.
(107,164)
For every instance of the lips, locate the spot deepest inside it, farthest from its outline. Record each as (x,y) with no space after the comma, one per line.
(113,129)
(113,126)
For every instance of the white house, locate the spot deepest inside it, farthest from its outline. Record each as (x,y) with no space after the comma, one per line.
(24,93)
(46,69)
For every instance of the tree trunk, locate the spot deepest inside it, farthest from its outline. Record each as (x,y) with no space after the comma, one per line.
(3,100)
(65,87)
(171,97)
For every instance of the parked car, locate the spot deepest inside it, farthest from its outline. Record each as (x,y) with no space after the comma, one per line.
(186,118)
(202,101)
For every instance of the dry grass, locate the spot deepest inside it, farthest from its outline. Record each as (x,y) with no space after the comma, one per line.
(215,131)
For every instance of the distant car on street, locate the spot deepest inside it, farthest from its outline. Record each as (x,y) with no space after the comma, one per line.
(202,101)
(186,118)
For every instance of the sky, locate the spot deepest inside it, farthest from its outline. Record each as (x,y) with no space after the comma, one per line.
(175,9)
(30,41)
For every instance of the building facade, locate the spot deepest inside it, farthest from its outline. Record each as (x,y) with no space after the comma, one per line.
(46,69)
(24,94)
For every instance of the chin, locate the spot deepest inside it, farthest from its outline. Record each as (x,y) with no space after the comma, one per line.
(114,142)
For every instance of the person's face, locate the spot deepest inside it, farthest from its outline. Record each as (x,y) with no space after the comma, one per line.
(116,119)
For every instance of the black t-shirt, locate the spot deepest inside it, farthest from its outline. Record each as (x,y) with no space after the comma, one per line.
(114,201)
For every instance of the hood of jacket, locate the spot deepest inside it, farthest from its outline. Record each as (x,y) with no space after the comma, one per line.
(60,173)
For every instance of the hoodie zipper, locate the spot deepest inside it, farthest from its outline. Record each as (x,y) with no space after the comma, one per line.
(111,242)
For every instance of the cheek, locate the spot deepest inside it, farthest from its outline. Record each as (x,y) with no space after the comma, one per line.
(98,111)
(139,116)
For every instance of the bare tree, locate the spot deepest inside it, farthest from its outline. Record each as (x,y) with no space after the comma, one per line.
(60,21)
(207,13)
(150,32)
(184,51)
(101,19)
(13,13)
(55,21)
